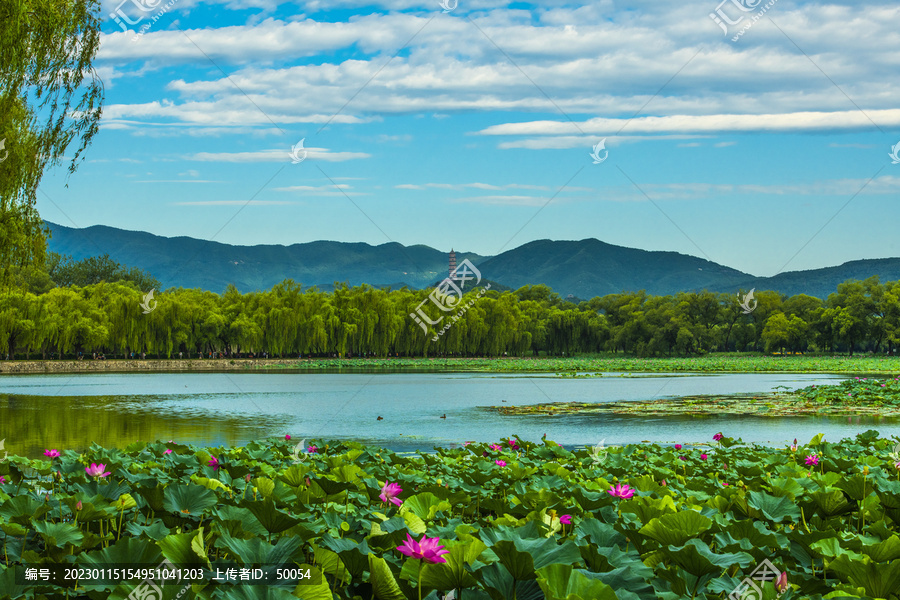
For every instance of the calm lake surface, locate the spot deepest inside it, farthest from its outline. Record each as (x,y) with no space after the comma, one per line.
(71,411)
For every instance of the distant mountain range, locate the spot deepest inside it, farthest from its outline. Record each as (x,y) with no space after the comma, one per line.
(583,269)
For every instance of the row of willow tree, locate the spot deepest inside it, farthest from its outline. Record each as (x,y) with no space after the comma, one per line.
(288,321)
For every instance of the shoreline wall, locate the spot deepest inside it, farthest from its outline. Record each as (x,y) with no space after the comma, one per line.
(128,365)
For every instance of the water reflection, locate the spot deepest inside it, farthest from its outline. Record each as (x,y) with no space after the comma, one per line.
(418,411)
(30,424)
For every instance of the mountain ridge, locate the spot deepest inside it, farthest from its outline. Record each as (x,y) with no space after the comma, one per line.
(580,268)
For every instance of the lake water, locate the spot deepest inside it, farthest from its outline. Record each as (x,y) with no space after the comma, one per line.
(71,411)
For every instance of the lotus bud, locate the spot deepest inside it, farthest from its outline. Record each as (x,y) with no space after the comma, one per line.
(247,477)
(78,505)
(781,584)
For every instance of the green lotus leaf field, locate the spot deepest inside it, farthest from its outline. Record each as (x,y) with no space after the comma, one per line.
(499,521)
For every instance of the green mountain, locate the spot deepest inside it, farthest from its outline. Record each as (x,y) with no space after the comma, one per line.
(188,262)
(580,269)
(821,282)
(589,268)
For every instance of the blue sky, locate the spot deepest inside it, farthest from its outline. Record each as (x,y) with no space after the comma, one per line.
(765,153)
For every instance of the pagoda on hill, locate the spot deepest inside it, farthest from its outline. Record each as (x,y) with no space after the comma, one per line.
(452,263)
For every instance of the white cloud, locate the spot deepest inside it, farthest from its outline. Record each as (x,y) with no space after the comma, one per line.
(847,188)
(504,200)
(232,203)
(614,64)
(178,181)
(323,190)
(477,186)
(274,155)
(783,122)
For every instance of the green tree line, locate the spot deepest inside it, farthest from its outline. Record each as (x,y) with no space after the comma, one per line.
(287,321)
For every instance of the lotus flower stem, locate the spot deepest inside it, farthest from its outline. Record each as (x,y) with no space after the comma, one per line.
(121,518)
(419,580)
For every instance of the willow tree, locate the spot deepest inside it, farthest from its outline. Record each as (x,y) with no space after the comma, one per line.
(50,104)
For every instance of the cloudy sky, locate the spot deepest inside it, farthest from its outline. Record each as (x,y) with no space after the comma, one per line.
(754,135)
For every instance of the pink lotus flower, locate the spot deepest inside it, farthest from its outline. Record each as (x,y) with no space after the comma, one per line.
(500,463)
(389,493)
(812,459)
(897,465)
(725,484)
(213,462)
(678,446)
(51,453)
(2,479)
(622,491)
(96,470)
(512,443)
(495,446)
(718,436)
(682,458)
(566,519)
(168,451)
(287,437)
(425,549)
(312,449)
(781,584)
(703,457)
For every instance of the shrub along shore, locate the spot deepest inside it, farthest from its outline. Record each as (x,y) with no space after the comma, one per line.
(508,520)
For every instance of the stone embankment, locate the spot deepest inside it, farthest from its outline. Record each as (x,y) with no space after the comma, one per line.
(125,365)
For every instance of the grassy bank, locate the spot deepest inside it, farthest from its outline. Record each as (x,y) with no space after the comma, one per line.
(713,363)
(517,520)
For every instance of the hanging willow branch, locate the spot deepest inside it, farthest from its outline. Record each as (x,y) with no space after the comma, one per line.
(50,103)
